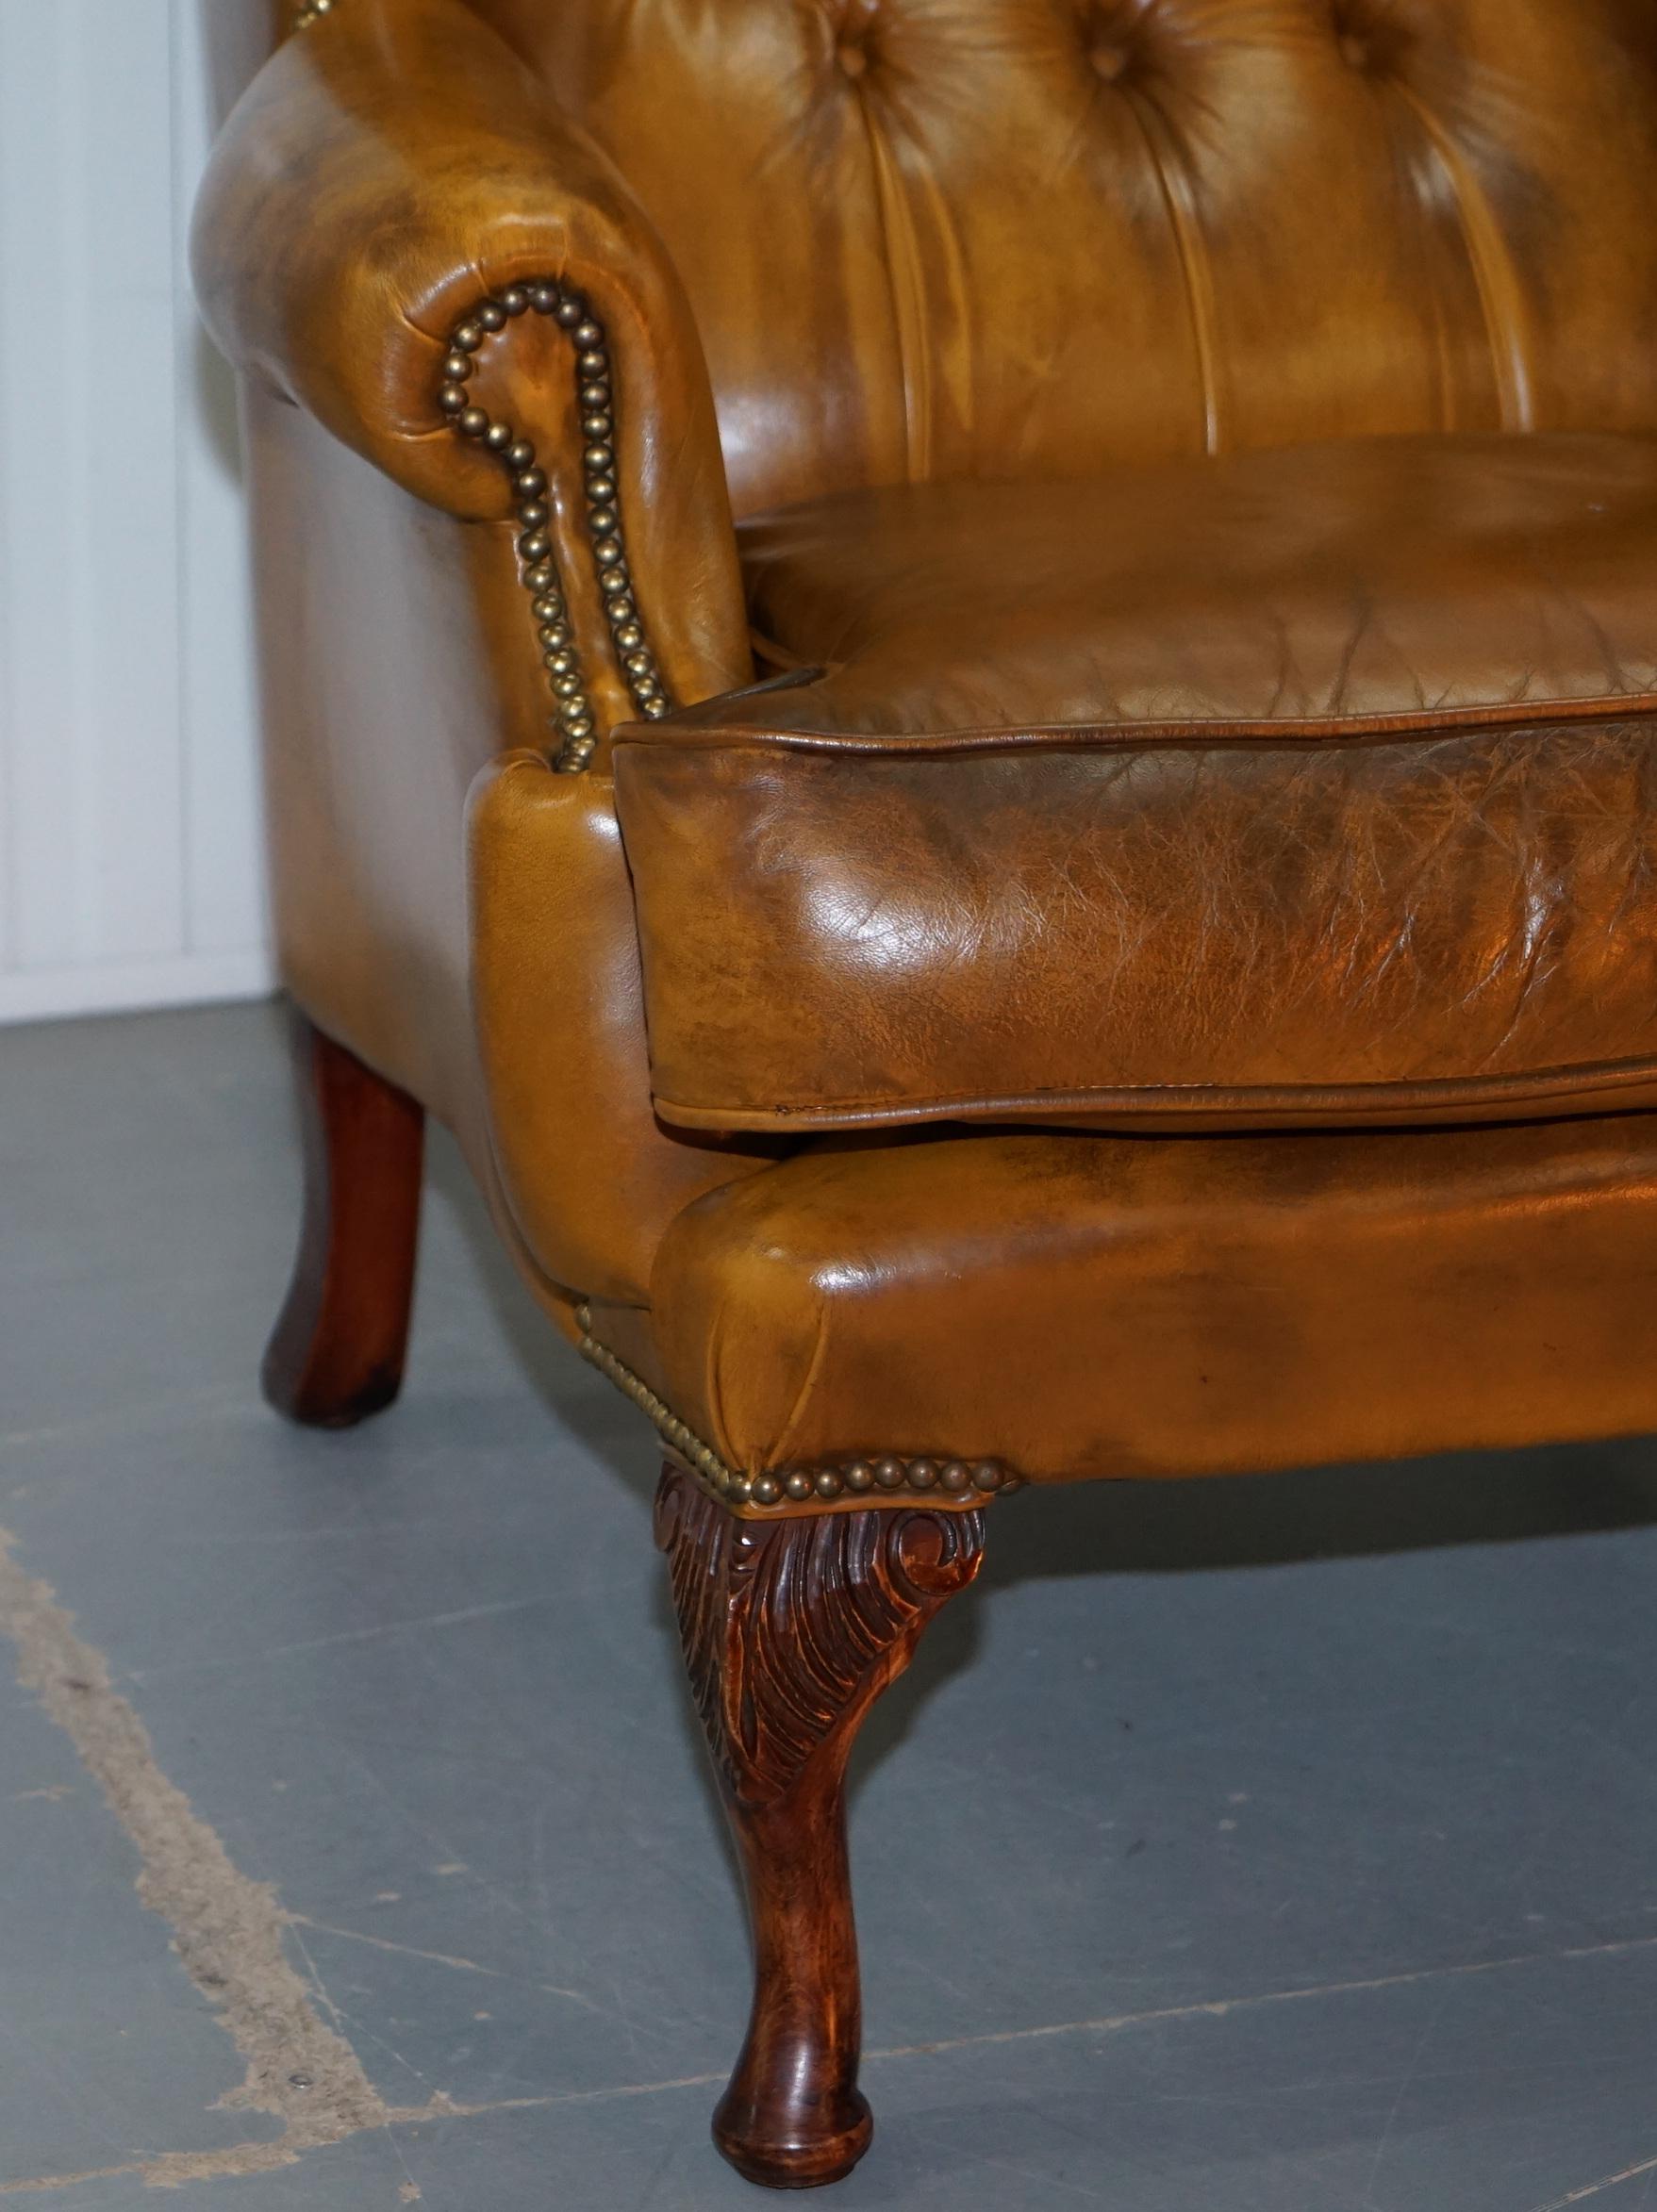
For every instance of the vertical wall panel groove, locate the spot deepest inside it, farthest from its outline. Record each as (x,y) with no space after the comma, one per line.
(130,844)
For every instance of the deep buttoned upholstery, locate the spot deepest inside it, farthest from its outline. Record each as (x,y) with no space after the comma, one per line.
(1178,472)
(972,684)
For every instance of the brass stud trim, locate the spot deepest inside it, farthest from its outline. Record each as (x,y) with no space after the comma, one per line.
(573,715)
(882,1479)
(312,12)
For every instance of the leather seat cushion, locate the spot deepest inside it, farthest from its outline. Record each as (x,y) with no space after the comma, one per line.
(1073,1303)
(1313,785)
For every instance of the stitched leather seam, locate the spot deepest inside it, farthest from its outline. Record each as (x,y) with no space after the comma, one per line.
(1379,729)
(1189,1099)
(573,716)
(882,1479)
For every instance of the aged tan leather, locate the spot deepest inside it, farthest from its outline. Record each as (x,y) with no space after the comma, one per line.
(1304,785)
(399,651)
(1091,1305)
(374,182)
(1407,579)
(1346,930)
(1015,237)
(594,1179)
(927,292)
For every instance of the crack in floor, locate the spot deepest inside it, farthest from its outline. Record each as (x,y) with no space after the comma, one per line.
(226,1929)
(1595,2188)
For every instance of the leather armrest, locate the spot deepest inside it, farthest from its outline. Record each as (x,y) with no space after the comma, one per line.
(386,171)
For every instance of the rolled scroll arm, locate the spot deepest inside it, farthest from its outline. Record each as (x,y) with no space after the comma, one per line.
(596,404)
(392,182)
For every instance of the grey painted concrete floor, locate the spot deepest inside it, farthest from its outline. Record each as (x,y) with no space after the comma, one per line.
(1279,1846)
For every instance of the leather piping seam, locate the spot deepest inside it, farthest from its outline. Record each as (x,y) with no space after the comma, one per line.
(573,715)
(1279,730)
(1186,1100)
(883,1478)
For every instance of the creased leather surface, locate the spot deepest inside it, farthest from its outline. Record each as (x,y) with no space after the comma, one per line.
(1082,1305)
(1374,577)
(1045,931)
(1287,786)
(938,242)
(937,238)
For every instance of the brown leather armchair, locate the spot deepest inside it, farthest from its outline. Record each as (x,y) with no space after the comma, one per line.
(1158,976)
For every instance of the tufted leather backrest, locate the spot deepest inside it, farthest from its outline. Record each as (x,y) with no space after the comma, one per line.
(928,237)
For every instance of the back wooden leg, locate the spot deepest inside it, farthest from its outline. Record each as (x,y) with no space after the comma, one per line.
(338,1350)
(791,1629)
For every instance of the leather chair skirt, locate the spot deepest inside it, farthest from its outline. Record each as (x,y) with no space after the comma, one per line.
(1053,1304)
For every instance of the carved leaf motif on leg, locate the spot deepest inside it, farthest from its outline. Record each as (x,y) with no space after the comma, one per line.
(791,1630)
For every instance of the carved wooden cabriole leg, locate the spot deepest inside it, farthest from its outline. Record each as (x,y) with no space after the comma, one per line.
(337,1353)
(791,1630)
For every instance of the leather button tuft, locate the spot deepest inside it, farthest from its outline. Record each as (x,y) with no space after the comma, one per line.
(1110,60)
(852,59)
(1371,39)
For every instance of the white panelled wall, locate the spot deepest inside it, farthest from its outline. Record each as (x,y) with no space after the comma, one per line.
(130,871)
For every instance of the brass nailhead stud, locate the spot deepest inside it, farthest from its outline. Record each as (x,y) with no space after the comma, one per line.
(575,715)
(802,1485)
